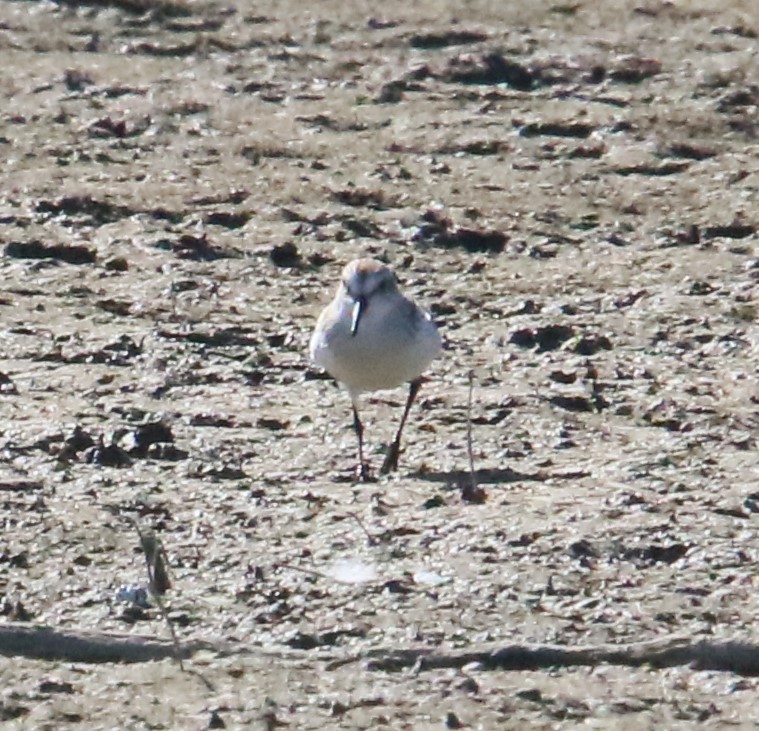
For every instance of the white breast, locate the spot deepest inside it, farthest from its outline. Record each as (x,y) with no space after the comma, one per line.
(394,344)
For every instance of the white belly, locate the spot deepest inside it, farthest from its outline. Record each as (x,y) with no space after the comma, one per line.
(392,346)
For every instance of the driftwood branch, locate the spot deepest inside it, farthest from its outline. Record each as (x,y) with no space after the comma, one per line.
(737,657)
(44,643)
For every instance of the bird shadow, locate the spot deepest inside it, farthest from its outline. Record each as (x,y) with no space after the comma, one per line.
(496,476)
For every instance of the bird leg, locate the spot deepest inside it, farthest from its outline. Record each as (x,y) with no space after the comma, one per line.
(362,468)
(394,450)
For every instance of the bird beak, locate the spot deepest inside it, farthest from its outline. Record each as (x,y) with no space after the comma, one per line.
(359,307)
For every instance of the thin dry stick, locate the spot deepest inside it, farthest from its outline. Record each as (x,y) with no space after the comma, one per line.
(469,448)
(372,540)
(470,491)
(158,579)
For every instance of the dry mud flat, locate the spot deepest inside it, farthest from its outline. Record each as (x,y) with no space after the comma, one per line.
(571,187)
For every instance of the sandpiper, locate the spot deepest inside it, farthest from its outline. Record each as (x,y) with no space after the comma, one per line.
(370,338)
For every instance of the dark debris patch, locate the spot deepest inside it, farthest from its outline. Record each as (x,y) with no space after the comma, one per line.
(731,512)
(437,230)
(195,248)
(325,121)
(699,288)
(431,41)
(689,151)
(224,337)
(100,212)
(166,451)
(362,198)
(20,485)
(18,560)
(362,227)
(315,222)
(668,415)
(731,231)
(159,8)
(498,415)
(107,455)
(548,337)
(143,508)
(119,128)
(746,97)
(55,686)
(579,403)
(194,25)
(216,721)
(233,197)
(583,549)
(495,69)
(689,235)
(10,711)
(7,386)
(473,241)
(148,434)
(491,68)
(476,147)
(653,170)
(740,30)
(471,493)
(121,308)
(228,219)
(226,422)
(397,586)
(543,252)
(655,553)
(392,91)
(168,50)
(60,252)
(642,555)
(219,472)
(591,344)
(76,80)
(557,129)
(307,641)
(285,255)
(119,352)
(634,69)
(133,614)
(272,424)
(78,441)
(562,377)
(164,214)
(117,264)
(586,152)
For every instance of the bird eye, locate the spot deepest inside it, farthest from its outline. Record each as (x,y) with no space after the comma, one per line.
(387,284)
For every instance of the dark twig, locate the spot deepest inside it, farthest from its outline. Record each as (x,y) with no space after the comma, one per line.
(471,492)
(469,447)
(158,578)
(370,538)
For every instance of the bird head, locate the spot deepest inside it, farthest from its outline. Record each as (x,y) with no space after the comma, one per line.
(363,281)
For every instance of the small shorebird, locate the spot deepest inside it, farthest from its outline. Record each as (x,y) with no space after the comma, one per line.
(371,338)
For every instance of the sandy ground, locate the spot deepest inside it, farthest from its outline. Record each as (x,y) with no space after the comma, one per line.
(570,188)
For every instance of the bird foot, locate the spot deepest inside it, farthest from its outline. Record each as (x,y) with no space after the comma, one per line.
(391,459)
(364,474)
